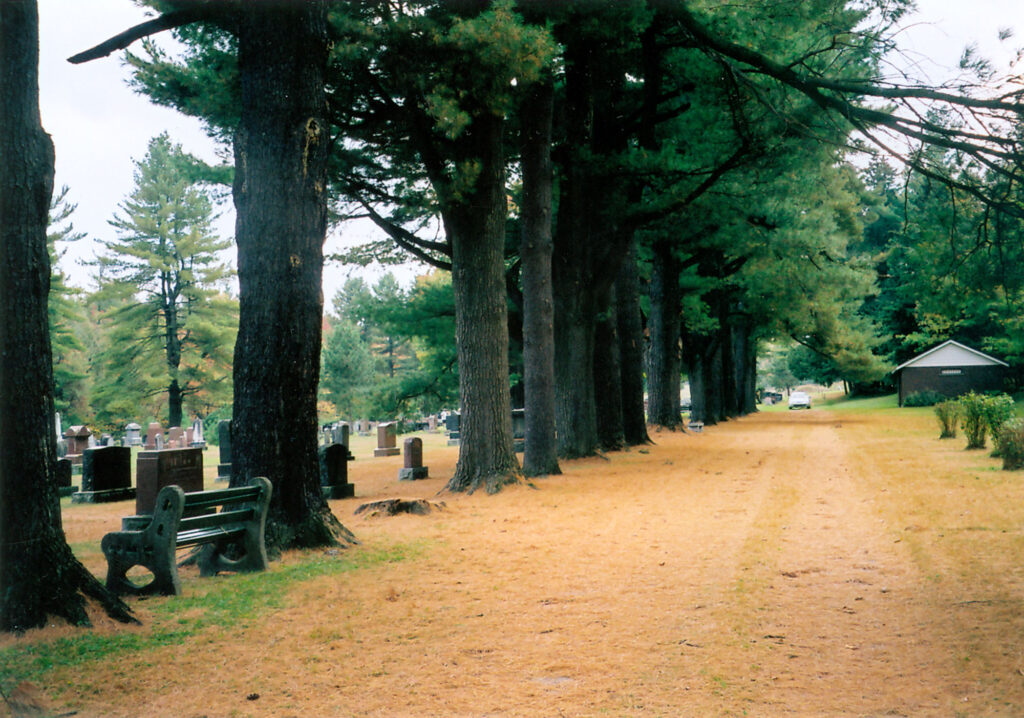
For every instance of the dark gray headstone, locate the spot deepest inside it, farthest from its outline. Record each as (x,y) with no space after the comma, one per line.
(334,472)
(63,476)
(106,475)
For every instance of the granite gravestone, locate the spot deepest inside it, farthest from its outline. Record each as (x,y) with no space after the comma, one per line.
(106,475)
(155,436)
(452,423)
(224,442)
(77,438)
(334,472)
(387,435)
(518,429)
(414,468)
(132,434)
(157,469)
(64,477)
(176,438)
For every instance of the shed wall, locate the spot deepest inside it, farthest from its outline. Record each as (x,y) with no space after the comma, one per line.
(942,380)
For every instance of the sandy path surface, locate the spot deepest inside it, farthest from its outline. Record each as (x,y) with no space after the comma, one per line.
(784,564)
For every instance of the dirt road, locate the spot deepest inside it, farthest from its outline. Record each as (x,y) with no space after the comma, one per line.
(791,564)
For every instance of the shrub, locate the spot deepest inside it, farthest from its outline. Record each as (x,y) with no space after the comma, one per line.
(923,398)
(1009,441)
(998,410)
(948,412)
(972,419)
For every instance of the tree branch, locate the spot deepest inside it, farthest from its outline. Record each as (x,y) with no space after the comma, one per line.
(167,21)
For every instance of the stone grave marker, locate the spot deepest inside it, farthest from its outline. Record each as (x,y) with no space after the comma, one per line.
(154,433)
(197,434)
(452,424)
(106,475)
(334,472)
(518,429)
(224,442)
(387,434)
(414,468)
(63,473)
(77,438)
(132,434)
(157,469)
(176,438)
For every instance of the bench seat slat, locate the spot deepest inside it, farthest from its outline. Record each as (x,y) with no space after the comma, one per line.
(205,535)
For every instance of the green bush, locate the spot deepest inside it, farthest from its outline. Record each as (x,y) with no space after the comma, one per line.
(981,414)
(973,419)
(998,410)
(948,412)
(924,398)
(1009,441)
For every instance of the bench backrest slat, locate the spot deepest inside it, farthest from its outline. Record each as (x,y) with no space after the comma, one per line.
(189,523)
(220,497)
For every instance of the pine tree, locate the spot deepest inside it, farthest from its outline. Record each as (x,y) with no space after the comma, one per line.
(172,328)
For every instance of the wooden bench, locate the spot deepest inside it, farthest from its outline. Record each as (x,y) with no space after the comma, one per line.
(181,520)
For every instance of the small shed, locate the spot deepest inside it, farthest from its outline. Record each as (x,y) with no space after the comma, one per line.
(950,369)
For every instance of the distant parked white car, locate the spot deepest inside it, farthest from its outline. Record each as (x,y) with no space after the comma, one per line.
(799,400)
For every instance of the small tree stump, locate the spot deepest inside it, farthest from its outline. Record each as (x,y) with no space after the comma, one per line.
(392,507)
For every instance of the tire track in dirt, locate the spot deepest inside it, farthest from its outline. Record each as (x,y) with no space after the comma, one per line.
(830,624)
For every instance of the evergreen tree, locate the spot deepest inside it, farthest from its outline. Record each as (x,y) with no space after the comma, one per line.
(172,327)
(65,313)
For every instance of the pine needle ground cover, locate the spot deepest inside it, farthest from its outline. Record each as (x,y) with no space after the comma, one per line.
(838,563)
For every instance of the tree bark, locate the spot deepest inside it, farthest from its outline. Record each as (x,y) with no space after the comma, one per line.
(664,369)
(281,150)
(476,226)
(608,378)
(39,575)
(631,351)
(540,455)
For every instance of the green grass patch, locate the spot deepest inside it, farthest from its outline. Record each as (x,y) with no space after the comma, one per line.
(870,403)
(224,602)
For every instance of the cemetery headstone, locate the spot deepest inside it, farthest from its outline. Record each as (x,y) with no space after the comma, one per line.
(452,423)
(64,477)
(224,441)
(77,438)
(157,469)
(132,434)
(518,429)
(106,475)
(176,438)
(197,433)
(154,433)
(432,422)
(414,468)
(334,472)
(341,434)
(387,435)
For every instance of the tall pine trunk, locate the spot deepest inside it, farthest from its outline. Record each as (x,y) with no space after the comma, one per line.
(281,149)
(39,575)
(608,378)
(631,350)
(663,375)
(476,225)
(540,455)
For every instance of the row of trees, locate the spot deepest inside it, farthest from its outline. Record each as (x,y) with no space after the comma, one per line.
(700,144)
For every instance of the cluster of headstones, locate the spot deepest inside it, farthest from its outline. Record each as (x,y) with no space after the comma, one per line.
(107,474)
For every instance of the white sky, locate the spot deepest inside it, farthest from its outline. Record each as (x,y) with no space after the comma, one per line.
(99,126)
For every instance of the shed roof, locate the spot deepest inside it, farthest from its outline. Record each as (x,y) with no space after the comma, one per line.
(951,353)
